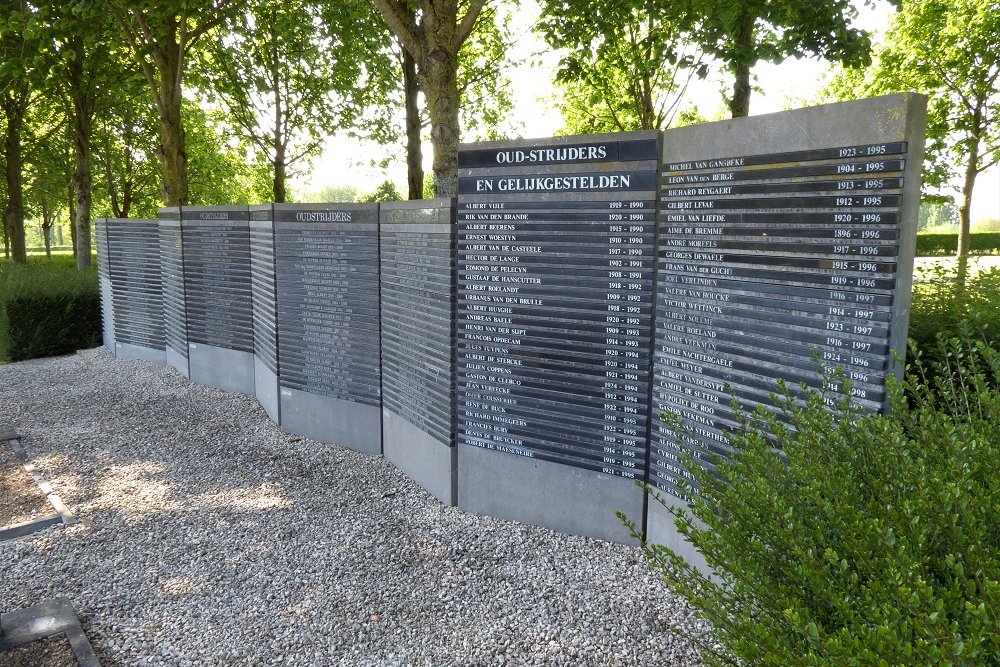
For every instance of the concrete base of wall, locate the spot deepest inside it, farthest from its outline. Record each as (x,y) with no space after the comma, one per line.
(178,361)
(266,390)
(129,351)
(660,529)
(229,370)
(353,425)
(427,461)
(560,497)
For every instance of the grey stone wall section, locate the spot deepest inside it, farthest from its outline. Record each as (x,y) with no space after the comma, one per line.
(841,192)
(133,248)
(327,295)
(417,278)
(104,282)
(555,269)
(542,493)
(174,298)
(219,296)
(265,325)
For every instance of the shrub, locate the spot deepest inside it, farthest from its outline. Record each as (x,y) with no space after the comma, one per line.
(863,539)
(47,307)
(939,245)
(941,307)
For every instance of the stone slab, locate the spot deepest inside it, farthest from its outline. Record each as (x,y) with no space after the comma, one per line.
(222,368)
(563,498)
(44,620)
(331,420)
(426,460)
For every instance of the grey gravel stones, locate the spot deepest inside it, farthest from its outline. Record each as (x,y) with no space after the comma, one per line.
(207,536)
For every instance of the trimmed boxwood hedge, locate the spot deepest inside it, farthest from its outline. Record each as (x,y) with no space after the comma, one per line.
(47,308)
(936,245)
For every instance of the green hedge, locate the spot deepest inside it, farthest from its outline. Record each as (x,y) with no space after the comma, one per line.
(860,539)
(47,308)
(936,245)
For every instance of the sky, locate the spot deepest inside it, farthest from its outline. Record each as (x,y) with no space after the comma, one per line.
(346,161)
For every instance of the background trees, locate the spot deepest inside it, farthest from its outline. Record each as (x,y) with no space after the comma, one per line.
(220,101)
(949,50)
(741,33)
(433,31)
(627,63)
(290,73)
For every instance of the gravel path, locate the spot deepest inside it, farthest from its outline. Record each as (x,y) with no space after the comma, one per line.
(207,536)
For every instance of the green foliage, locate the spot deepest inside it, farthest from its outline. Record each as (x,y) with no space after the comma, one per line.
(626,64)
(331,193)
(386,191)
(47,308)
(936,215)
(220,168)
(862,539)
(291,73)
(987,225)
(981,243)
(741,33)
(942,306)
(483,83)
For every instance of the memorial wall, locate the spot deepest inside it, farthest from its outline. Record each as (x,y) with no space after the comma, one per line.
(104,285)
(327,295)
(786,249)
(218,294)
(513,351)
(174,300)
(556,245)
(265,310)
(133,268)
(417,246)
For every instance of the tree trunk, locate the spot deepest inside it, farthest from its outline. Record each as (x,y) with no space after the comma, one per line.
(83,123)
(14,214)
(72,216)
(278,187)
(739,105)
(414,153)
(965,214)
(439,81)
(279,148)
(171,150)
(47,230)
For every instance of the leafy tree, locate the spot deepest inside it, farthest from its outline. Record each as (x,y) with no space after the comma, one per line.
(290,73)
(222,169)
(83,58)
(50,170)
(741,33)
(23,71)
(626,64)
(162,37)
(433,32)
(126,182)
(386,191)
(484,90)
(332,193)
